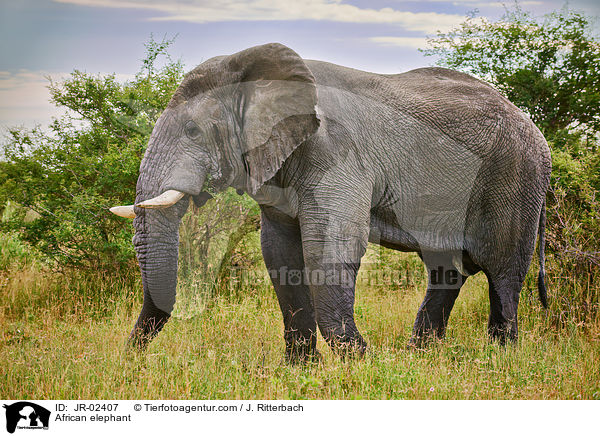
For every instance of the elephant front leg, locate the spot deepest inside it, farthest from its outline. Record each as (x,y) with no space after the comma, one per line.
(149,323)
(282,251)
(332,255)
(334,305)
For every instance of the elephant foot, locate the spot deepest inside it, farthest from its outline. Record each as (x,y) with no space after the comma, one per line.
(143,333)
(502,334)
(423,338)
(302,351)
(349,348)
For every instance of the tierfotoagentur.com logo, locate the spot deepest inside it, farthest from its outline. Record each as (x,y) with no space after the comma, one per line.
(334,275)
(371,274)
(26,415)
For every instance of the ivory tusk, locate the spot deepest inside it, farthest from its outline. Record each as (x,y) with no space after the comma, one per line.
(166,199)
(124,211)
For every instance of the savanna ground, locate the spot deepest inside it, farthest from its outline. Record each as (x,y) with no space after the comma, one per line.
(63,337)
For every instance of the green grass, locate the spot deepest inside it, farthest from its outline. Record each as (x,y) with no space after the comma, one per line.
(62,337)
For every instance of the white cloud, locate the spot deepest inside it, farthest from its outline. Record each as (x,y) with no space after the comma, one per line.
(203,11)
(494,4)
(25,98)
(400,41)
(482,4)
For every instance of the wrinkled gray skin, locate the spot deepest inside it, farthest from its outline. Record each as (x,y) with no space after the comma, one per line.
(432,161)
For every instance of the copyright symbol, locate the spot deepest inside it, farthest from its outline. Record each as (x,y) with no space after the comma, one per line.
(137,407)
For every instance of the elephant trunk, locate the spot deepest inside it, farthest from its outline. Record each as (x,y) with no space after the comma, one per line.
(157,254)
(156,242)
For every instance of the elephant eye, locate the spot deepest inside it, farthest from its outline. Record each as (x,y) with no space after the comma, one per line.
(192,130)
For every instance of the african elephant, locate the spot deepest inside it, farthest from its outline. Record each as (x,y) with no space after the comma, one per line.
(431,161)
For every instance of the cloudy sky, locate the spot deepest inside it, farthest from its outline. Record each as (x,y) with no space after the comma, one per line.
(40,38)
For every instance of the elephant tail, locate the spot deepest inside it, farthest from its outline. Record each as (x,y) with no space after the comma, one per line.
(542,274)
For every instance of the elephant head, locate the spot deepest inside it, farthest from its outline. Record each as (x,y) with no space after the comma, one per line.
(232,122)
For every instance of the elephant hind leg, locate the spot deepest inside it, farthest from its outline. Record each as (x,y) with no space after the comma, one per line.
(506,273)
(504,301)
(444,283)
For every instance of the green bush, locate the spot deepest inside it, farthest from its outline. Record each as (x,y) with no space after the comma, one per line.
(85,163)
(548,66)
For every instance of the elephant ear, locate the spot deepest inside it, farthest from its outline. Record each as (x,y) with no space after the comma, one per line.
(278,109)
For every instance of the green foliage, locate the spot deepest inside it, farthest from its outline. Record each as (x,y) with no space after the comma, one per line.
(204,231)
(549,67)
(87,162)
(13,253)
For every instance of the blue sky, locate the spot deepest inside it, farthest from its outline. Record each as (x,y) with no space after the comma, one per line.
(40,38)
